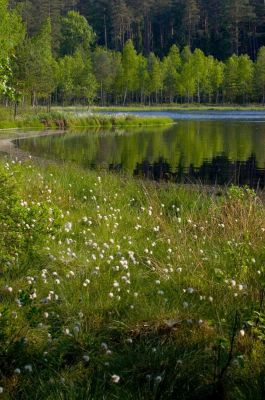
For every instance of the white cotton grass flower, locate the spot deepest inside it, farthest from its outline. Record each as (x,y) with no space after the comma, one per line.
(68,226)
(158,379)
(28,368)
(115,378)
(17,371)
(86,358)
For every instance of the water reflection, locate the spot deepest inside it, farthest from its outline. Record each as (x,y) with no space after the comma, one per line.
(212,152)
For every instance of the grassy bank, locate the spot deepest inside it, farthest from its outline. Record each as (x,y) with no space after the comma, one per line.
(62,120)
(115,289)
(182,107)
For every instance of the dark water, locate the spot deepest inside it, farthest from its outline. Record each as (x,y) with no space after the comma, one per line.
(206,150)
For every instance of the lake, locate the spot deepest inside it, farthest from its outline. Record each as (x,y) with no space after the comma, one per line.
(206,147)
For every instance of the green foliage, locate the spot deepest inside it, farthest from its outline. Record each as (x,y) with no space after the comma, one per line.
(23,226)
(11,33)
(76,34)
(12,30)
(129,69)
(171,67)
(260,74)
(36,69)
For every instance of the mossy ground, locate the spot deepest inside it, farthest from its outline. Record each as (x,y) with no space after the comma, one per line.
(113,288)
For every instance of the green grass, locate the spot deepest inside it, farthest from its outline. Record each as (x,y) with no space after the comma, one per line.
(158,285)
(63,120)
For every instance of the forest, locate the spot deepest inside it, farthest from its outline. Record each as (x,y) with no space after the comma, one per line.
(121,52)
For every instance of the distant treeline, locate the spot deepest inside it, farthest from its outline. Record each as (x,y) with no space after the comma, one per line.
(80,71)
(218,27)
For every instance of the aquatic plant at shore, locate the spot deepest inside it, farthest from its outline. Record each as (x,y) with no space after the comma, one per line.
(128,290)
(61,120)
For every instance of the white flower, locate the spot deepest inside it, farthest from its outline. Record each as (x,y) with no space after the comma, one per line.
(1,390)
(242,332)
(68,226)
(86,358)
(115,378)
(28,367)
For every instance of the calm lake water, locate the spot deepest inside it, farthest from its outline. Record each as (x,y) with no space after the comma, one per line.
(210,148)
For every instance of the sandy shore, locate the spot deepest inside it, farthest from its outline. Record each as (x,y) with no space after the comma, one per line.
(8,146)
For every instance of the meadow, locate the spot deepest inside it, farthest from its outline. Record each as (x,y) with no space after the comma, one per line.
(115,288)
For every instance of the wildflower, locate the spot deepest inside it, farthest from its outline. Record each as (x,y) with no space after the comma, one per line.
(1,390)
(17,371)
(68,226)
(28,367)
(86,283)
(86,358)
(242,333)
(115,378)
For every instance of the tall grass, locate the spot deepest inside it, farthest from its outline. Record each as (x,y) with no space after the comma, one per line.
(60,120)
(113,288)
